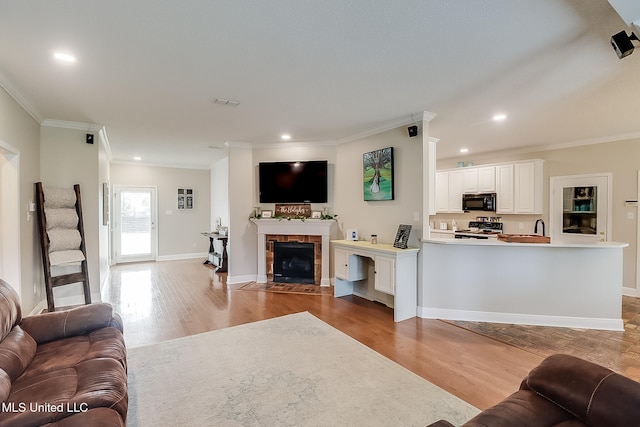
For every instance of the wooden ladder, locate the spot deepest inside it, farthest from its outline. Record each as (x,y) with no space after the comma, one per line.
(63,279)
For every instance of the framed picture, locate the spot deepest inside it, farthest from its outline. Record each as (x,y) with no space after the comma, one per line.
(316,215)
(267,214)
(377,174)
(402,236)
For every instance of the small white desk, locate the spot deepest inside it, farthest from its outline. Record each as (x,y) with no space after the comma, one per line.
(396,272)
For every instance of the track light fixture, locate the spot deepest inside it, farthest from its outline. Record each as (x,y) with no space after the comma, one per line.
(622,43)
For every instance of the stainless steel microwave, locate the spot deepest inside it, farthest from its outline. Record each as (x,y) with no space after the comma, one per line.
(479,202)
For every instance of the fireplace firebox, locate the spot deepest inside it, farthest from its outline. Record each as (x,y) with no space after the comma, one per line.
(293,262)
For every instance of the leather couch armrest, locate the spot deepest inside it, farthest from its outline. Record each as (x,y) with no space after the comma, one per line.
(592,393)
(76,321)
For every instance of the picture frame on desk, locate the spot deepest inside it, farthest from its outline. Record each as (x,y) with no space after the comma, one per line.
(402,236)
(316,215)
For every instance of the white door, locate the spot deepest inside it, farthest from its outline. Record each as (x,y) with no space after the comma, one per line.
(135,233)
(580,208)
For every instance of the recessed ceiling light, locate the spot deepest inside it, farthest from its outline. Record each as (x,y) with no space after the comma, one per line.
(499,117)
(64,57)
(464,150)
(137,158)
(285,137)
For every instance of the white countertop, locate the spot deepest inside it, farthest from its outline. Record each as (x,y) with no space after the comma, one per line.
(495,242)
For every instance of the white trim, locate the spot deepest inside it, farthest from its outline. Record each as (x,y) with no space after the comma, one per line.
(115,237)
(235,280)
(10,254)
(630,292)
(175,257)
(42,305)
(72,125)
(21,100)
(521,319)
(637,246)
(159,165)
(392,124)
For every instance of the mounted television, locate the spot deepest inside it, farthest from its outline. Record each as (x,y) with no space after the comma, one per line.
(293,182)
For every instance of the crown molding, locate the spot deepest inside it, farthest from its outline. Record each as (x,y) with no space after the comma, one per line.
(72,125)
(392,124)
(21,100)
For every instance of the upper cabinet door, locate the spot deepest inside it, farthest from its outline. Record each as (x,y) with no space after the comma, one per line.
(487,179)
(504,188)
(470,180)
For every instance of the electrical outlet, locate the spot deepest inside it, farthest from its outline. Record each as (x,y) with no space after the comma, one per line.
(629,215)
(35,288)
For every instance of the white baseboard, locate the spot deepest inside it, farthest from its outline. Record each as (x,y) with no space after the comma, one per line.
(521,319)
(42,305)
(203,255)
(234,280)
(630,292)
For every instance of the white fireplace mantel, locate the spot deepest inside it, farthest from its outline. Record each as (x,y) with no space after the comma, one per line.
(308,227)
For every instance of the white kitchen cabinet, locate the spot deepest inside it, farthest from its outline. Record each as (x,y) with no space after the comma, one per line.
(347,266)
(486,179)
(504,188)
(396,273)
(518,186)
(470,180)
(385,271)
(527,181)
(455,191)
(442,191)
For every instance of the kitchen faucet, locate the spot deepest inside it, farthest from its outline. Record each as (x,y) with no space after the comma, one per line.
(535,228)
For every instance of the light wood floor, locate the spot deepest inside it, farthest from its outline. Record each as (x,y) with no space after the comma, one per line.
(166,300)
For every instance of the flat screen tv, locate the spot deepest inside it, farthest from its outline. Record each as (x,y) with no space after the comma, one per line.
(293,182)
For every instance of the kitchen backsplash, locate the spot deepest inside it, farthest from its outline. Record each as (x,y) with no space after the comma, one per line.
(511,224)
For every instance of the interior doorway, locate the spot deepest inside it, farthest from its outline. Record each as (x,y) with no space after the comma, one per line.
(10,265)
(135,232)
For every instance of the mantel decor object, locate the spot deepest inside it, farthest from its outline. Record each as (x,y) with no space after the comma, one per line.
(293,211)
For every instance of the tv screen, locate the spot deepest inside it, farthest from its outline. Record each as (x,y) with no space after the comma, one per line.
(293,182)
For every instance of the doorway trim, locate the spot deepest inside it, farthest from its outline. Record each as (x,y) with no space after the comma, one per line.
(10,260)
(115,217)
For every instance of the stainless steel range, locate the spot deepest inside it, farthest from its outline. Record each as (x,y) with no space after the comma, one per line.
(480,230)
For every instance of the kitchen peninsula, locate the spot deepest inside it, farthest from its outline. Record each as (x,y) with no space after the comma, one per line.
(556,284)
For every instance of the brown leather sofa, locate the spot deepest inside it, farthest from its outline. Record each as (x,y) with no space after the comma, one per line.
(566,391)
(62,369)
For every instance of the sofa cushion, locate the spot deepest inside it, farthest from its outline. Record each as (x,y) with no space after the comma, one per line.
(77,321)
(54,395)
(594,394)
(10,312)
(68,352)
(524,408)
(16,352)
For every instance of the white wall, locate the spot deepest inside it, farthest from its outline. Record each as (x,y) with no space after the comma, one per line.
(178,230)
(20,130)
(243,241)
(220,190)
(65,160)
(380,217)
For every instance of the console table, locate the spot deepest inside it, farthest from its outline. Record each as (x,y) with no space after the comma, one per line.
(395,270)
(220,260)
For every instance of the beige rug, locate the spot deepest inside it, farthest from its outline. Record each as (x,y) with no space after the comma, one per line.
(293,370)
(288,288)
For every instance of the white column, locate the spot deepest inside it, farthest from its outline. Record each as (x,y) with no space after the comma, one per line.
(262,259)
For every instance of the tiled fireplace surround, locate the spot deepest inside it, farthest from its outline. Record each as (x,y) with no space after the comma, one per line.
(314,231)
(317,251)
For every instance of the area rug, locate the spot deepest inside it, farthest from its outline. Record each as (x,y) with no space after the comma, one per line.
(293,370)
(288,288)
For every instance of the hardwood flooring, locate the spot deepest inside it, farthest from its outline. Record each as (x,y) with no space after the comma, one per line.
(172,299)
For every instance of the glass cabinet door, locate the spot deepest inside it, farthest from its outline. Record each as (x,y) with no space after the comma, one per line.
(580,210)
